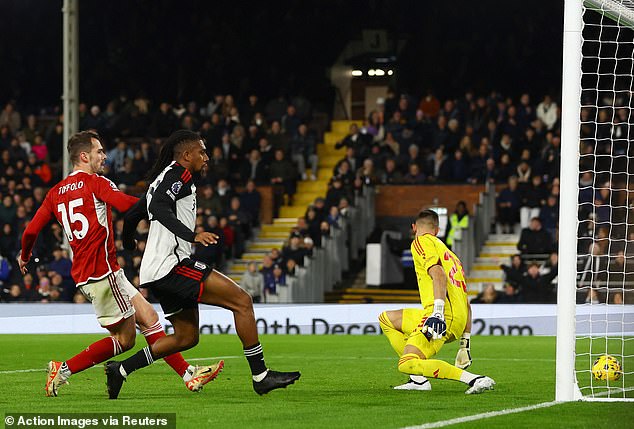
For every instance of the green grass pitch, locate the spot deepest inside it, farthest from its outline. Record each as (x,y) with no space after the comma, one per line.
(346,383)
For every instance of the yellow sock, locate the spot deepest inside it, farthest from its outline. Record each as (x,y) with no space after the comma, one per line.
(410,363)
(396,338)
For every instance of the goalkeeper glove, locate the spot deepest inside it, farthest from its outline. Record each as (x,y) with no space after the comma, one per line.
(463,357)
(435,327)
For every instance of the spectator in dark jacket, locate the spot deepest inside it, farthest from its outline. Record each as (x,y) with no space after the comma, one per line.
(549,215)
(516,269)
(510,295)
(335,193)
(438,166)
(283,179)
(535,240)
(250,200)
(255,169)
(294,250)
(459,167)
(536,288)
(508,204)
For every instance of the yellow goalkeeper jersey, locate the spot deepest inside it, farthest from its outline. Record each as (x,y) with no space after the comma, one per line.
(427,251)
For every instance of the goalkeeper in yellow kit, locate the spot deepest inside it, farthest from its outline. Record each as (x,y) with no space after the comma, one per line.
(418,334)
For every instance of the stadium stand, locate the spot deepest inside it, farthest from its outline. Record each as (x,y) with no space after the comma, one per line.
(311,206)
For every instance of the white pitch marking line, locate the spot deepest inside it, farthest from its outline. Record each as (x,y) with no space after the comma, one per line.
(481,416)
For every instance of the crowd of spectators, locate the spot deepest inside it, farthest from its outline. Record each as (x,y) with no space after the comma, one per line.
(473,139)
(516,145)
(250,144)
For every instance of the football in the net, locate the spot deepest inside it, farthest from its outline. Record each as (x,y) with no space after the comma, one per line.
(606,367)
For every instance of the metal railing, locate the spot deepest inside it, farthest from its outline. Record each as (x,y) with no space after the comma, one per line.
(468,245)
(325,267)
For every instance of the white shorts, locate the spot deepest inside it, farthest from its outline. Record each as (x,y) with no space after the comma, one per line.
(111,298)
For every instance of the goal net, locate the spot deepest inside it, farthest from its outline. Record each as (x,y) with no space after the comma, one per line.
(596,292)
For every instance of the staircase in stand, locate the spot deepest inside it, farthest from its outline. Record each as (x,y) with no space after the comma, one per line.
(274,235)
(497,250)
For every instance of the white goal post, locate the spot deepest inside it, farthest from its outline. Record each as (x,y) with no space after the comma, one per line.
(586,330)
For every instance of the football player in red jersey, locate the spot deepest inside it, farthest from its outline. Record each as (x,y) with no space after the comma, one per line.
(82,203)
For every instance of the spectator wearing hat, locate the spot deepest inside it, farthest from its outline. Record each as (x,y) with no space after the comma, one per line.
(335,192)
(294,250)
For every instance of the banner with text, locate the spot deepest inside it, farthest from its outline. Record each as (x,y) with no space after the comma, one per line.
(327,319)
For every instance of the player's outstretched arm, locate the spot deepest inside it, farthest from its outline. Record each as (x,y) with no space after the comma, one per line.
(39,221)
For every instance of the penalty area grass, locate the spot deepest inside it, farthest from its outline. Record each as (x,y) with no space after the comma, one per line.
(346,383)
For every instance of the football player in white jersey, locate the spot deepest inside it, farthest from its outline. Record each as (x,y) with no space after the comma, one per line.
(178,281)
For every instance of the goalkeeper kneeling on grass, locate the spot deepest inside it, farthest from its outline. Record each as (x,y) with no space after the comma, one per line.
(417,335)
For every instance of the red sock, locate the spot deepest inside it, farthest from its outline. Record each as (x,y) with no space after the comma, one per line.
(95,353)
(175,360)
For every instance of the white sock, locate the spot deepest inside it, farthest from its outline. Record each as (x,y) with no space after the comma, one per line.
(260,377)
(64,371)
(189,373)
(418,378)
(467,377)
